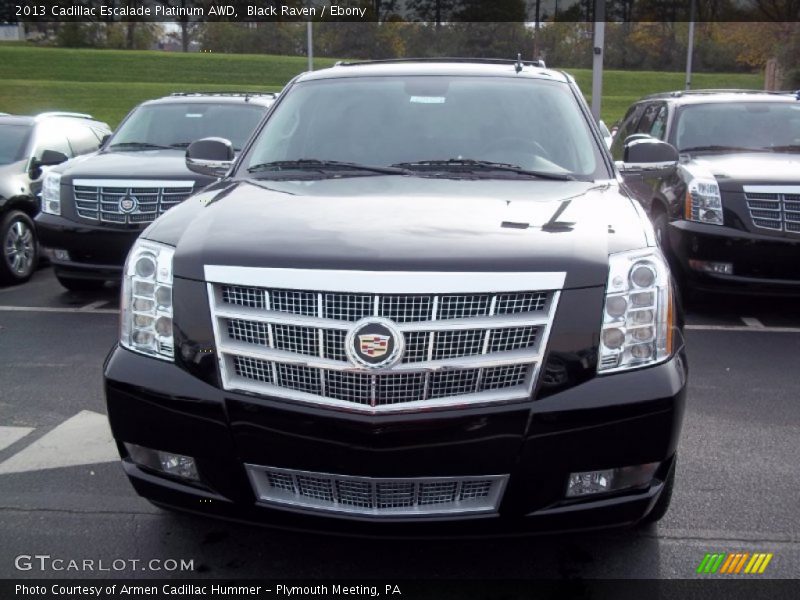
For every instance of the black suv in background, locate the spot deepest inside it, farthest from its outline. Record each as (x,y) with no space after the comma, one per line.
(419,297)
(94,208)
(729,215)
(28,145)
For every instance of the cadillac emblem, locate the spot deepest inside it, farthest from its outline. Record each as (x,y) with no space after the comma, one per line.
(374,343)
(128,204)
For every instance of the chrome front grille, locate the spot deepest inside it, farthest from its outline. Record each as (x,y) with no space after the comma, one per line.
(99,199)
(377,497)
(461,349)
(398,308)
(774,207)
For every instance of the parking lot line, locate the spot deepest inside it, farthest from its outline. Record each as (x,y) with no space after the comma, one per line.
(744,328)
(94,305)
(65,309)
(752,322)
(9,435)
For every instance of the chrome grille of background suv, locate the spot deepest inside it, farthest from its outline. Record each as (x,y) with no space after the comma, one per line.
(461,349)
(98,199)
(774,207)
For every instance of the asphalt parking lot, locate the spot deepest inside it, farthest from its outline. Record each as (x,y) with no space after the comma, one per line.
(63,494)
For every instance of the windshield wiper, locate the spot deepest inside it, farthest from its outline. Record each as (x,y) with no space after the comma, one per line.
(140,146)
(471,164)
(722,149)
(323,165)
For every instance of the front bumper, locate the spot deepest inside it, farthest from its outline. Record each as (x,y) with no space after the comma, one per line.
(762,264)
(617,420)
(95,252)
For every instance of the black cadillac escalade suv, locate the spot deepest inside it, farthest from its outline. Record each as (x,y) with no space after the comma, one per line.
(729,216)
(419,301)
(94,207)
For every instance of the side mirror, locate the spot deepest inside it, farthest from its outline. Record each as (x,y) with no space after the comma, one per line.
(210,156)
(49,158)
(645,153)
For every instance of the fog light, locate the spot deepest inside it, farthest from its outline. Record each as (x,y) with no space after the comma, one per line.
(60,254)
(720,268)
(177,465)
(588,483)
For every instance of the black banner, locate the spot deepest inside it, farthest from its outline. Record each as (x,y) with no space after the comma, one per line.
(438,11)
(638,589)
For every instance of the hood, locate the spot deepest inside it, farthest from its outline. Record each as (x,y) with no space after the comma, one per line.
(405,224)
(146,164)
(731,170)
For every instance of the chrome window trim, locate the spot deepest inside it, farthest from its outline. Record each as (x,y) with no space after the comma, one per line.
(386,282)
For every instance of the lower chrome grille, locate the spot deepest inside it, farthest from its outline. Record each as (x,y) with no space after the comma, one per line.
(101,199)
(377,497)
(455,349)
(774,207)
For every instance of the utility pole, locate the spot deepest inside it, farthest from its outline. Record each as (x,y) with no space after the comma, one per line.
(597,58)
(690,51)
(310,45)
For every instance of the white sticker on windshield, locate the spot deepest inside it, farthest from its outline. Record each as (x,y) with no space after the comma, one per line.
(427,99)
(194,115)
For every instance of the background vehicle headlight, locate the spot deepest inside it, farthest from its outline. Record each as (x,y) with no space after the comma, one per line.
(638,311)
(51,194)
(703,202)
(146,307)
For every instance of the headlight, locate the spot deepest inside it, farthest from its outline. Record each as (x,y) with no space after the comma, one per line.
(51,194)
(703,202)
(638,311)
(146,307)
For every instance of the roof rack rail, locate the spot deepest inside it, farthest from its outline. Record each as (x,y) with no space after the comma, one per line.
(224,93)
(495,61)
(59,113)
(680,93)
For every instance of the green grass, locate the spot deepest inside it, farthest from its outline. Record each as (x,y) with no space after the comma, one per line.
(108,83)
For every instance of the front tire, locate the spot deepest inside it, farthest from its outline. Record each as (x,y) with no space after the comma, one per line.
(80,285)
(20,250)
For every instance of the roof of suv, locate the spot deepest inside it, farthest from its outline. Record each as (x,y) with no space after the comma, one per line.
(458,67)
(708,96)
(258,98)
(33,119)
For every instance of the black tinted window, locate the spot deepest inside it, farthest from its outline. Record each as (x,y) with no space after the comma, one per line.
(50,137)
(534,124)
(83,140)
(627,128)
(741,124)
(13,141)
(176,124)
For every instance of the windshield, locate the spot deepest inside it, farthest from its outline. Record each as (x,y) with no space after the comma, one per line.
(13,141)
(457,123)
(739,126)
(177,125)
